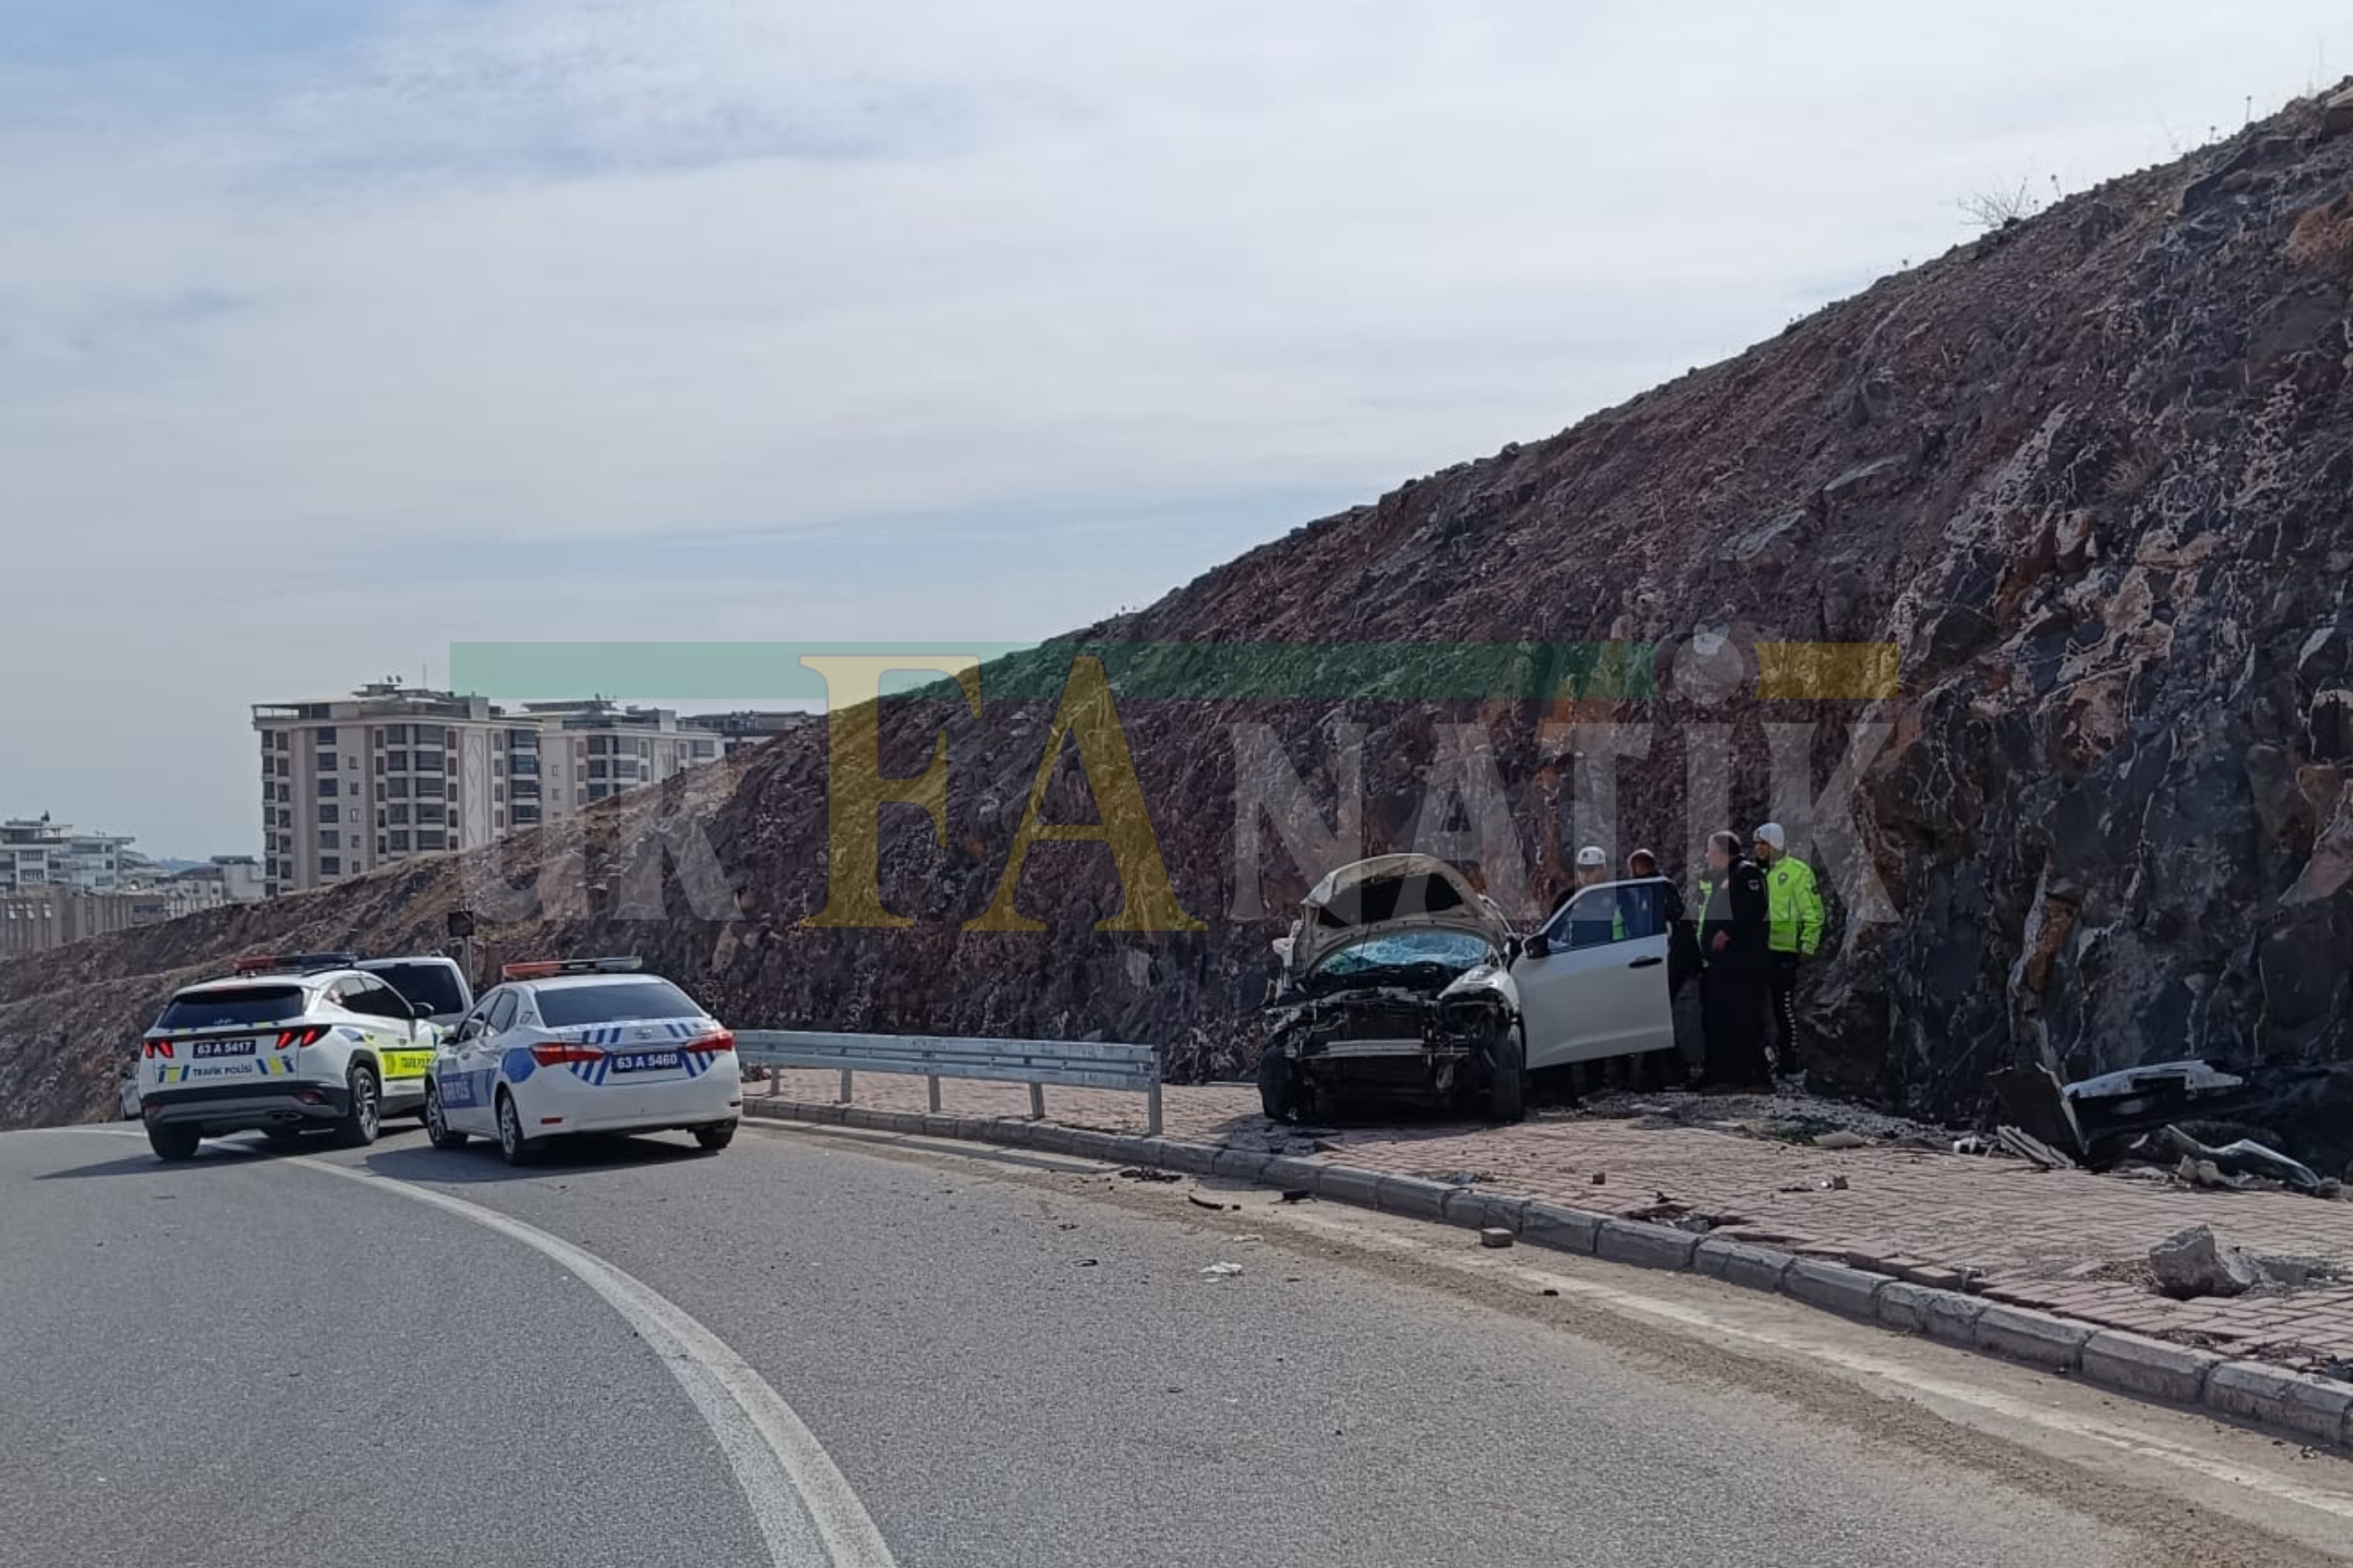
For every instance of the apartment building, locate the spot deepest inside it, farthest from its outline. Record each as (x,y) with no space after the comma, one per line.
(393,772)
(385,774)
(225,880)
(742,730)
(39,852)
(593,750)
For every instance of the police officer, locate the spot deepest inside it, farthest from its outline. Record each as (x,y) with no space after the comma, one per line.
(1795,903)
(1734,943)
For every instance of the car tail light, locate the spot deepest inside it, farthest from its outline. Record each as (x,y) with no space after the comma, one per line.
(712,1043)
(151,1049)
(560,1053)
(292,1039)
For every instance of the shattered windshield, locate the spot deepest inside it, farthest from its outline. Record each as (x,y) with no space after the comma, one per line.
(1403,958)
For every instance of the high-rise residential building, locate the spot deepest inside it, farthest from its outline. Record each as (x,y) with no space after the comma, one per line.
(36,853)
(383,774)
(393,772)
(593,750)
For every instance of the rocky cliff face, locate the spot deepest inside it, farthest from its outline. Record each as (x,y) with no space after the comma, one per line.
(2090,476)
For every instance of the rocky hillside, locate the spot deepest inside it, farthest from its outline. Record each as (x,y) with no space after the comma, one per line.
(2093,475)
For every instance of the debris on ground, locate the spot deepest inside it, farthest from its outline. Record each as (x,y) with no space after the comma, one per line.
(1202,1200)
(2190,1263)
(1495,1237)
(1787,1116)
(2245,1161)
(1835,1184)
(1139,1174)
(1841,1139)
(1457,1178)
(2027,1146)
(1221,1270)
(1972,1144)
(1601,1178)
(1296,1195)
(1678,1215)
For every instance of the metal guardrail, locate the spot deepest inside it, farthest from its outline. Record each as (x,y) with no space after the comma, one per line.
(1069,1064)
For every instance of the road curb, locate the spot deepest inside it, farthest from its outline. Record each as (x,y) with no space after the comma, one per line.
(2309,1409)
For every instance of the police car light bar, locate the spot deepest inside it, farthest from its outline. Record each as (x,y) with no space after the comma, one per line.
(543,968)
(297,962)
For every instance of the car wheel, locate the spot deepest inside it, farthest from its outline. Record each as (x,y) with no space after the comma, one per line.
(717,1137)
(283,1138)
(438,1130)
(1507,1074)
(361,1123)
(513,1147)
(1274,1085)
(174,1142)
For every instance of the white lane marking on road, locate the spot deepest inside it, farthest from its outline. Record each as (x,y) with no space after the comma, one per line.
(803,1506)
(2147,1444)
(787,1477)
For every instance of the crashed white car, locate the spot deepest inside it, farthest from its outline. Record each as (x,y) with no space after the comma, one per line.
(1398,976)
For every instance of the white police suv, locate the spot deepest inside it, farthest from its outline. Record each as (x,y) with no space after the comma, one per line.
(583,1046)
(285,1045)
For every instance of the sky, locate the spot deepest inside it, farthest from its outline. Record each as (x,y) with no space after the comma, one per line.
(335,331)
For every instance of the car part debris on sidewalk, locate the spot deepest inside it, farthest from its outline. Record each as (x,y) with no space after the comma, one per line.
(2026,1146)
(1221,1270)
(2246,1160)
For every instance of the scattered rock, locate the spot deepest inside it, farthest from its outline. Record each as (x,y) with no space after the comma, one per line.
(1140,1174)
(1221,1270)
(1296,1195)
(2190,1263)
(1841,1140)
(1496,1238)
(1601,1178)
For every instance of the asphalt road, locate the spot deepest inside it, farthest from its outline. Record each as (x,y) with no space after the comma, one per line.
(249,1359)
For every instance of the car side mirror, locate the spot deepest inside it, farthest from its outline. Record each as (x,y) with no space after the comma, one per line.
(1537,946)
(420,1011)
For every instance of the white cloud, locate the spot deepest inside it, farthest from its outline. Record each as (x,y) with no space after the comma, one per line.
(578,272)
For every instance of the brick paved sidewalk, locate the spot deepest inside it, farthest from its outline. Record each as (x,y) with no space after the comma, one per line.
(2065,1242)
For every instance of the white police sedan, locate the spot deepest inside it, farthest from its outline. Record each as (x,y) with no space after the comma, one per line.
(579,1045)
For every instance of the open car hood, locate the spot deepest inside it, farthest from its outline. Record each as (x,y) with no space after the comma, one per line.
(1387,894)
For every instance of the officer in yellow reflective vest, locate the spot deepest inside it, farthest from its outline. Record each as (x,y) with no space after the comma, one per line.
(1795,905)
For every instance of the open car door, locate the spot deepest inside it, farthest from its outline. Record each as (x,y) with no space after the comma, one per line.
(1593,981)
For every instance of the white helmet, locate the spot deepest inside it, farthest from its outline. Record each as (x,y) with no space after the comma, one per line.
(1771,833)
(1590,856)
